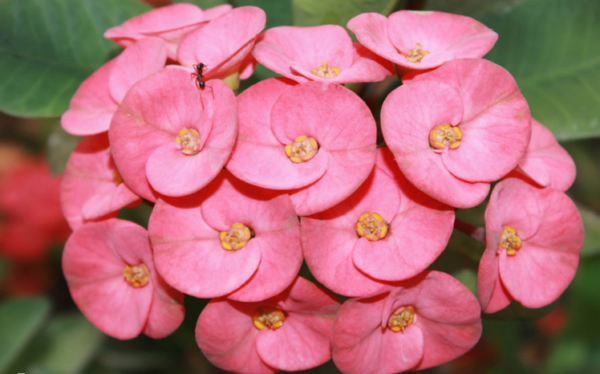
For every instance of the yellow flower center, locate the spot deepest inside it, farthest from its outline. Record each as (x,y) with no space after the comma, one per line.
(236,237)
(372,227)
(416,54)
(444,136)
(510,241)
(302,149)
(401,318)
(268,317)
(137,276)
(324,71)
(189,141)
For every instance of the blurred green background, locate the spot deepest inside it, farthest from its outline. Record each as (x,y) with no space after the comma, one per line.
(48,47)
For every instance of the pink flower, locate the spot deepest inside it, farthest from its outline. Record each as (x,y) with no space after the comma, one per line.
(231,239)
(96,100)
(170,23)
(224,45)
(289,332)
(533,239)
(110,272)
(423,322)
(386,231)
(457,128)
(320,53)
(92,187)
(171,138)
(422,40)
(546,162)
(317,139)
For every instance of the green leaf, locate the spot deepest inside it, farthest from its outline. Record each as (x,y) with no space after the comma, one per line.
(48,47)
(67,345)
(471,8)
(279,13)
(337,12)
(591,224)
(19,320)
(468,277)
(204,3)
(552,49)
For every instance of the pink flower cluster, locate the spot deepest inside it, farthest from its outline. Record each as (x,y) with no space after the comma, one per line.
(244,188)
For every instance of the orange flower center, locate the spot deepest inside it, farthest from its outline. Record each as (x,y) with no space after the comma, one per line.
(401,318)
(189,141)
(268,317)
(302,149)
(416,54)
(510,241)
(324,71)
(137,276)
(372,227)
(236,237)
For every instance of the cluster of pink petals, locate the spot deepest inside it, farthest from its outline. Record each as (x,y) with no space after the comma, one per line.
(476,96)
(228,338)
(446,324)
(303,180)
(92,187)
(443,36)
(551,234)
(189,254)
(302,53)
(170,23)
(419,229)
(144,132)
(546,162)
(94,260)
(277,111)
(96,100)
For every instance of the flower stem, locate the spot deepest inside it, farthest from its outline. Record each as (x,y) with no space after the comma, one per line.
(477,233)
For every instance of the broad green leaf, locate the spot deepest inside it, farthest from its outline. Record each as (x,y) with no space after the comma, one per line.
(66,345)
(552,48)
(337,12)
(279,13)
(19,320)
(591,224)
(471,8)
(566,357)
(48,47)
(204,3)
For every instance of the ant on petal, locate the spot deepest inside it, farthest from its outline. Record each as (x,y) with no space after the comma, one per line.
(198,75)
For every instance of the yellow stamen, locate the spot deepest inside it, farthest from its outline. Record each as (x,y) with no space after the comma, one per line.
(510,241)
(444,136)
(236,238)
(189,140)
(372,226)
(416,54)
(303,149)
(137,276)
(324,71)
(401,318)
(268,317)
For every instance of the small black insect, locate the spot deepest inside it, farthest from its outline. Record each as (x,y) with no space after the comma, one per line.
(198,74)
